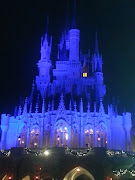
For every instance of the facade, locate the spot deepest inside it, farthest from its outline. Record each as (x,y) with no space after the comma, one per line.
(69,109)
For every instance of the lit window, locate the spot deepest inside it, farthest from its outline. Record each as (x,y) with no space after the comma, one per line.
(84,74)
(66,136)
(91,131)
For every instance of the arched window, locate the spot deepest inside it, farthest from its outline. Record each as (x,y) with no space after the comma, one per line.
(74,136)
(26,178)
(101,136)
(61,134)
(47,136)
(34,138)
(89,141)
(22,138)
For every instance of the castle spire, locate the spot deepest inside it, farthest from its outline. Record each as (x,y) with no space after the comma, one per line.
(25,107)
(101,108)
(81,106)
(96,45)
(70,106)
(30,110)
(19,111)
(44,64)
(74,25)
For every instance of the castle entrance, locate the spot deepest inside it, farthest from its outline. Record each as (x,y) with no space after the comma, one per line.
(79,173)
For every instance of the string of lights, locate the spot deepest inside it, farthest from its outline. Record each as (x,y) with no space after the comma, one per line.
(79,152)
(121,172)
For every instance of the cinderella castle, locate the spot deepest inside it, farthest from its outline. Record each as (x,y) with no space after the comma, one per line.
(66,105)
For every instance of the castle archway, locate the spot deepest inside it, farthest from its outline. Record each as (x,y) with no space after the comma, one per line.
(26,178)
(34,137)
(7,177)
(101,135)
(61,133)
(78,173)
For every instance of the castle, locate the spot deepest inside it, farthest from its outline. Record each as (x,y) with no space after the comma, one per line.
(69,109)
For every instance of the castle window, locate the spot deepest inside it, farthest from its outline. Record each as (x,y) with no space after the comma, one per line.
(34,138)
(61,134)
(84,74)
(89,142)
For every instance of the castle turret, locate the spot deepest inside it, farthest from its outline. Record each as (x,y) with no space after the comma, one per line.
(44,64)
(74,38)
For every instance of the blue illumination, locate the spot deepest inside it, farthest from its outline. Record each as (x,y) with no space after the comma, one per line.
(78,125)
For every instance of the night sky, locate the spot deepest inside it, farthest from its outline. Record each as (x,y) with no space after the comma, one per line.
(23,23)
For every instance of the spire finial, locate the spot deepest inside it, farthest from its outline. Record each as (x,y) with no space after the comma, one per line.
(96,44)
(74,26)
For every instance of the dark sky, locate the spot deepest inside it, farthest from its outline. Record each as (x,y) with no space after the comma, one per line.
(23,23)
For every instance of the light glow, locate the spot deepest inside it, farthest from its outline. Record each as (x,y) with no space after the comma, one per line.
(37,177)
(91,131)
(58,138)
(46,153)
(84,74)
(78,170)
(32,131)
(66,136)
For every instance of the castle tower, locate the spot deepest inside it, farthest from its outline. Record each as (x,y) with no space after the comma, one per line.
(44,64)
(74,38)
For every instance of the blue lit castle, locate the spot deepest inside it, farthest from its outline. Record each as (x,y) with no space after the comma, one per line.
(68,111)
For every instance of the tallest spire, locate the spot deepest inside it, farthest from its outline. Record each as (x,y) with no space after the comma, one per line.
(96,45)
(74,26)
